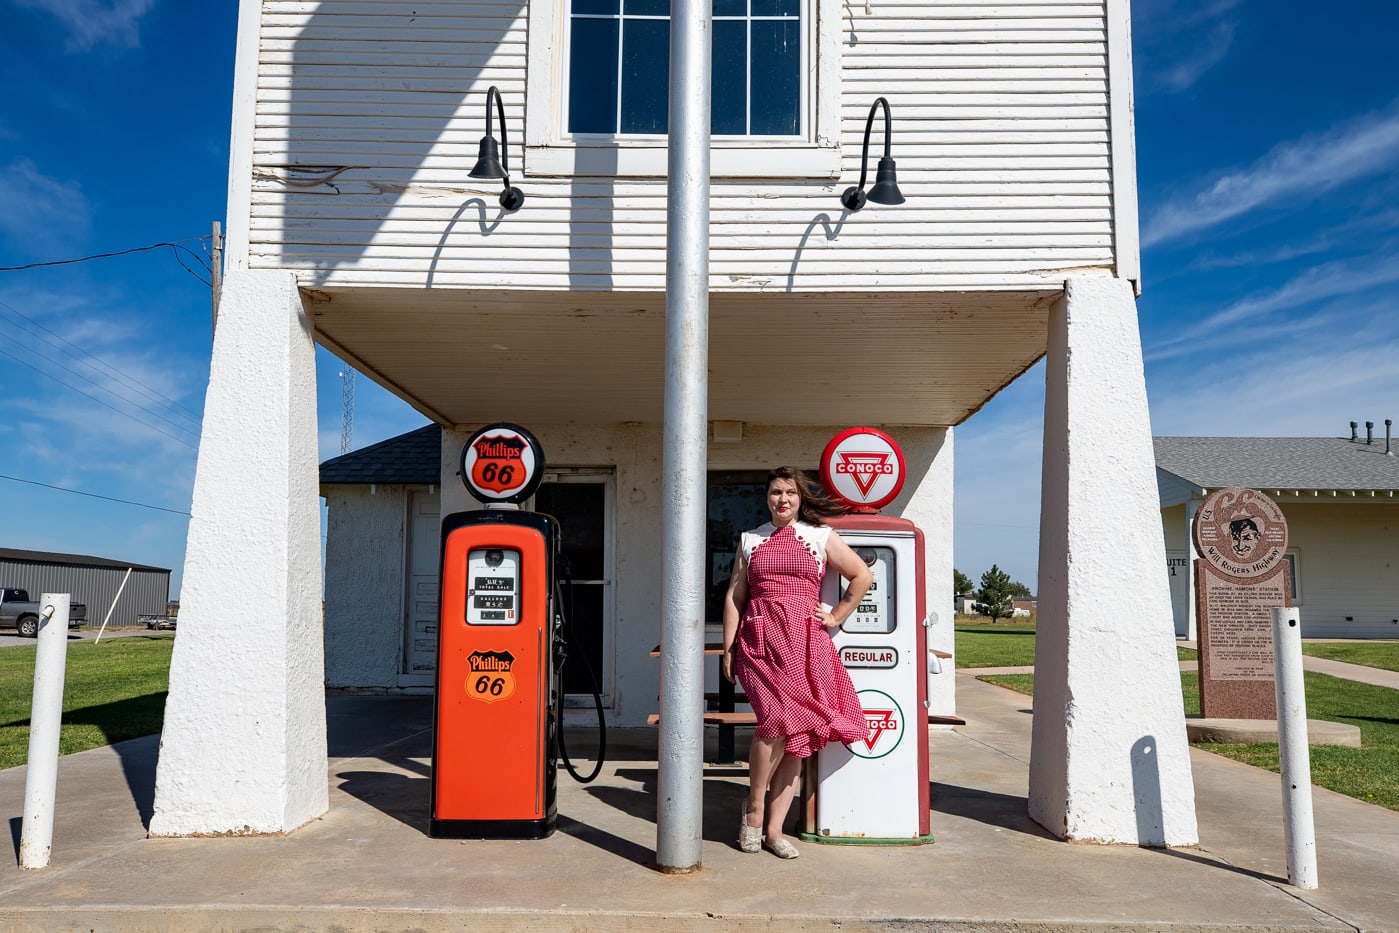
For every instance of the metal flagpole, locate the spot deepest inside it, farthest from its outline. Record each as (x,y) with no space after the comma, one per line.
(681,757)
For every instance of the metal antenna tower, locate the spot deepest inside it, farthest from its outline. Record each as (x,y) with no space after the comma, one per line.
(347,409)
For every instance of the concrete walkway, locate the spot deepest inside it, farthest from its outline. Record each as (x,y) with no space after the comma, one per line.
(368,864)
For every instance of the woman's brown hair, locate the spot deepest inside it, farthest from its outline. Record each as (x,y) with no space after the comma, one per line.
(815,506)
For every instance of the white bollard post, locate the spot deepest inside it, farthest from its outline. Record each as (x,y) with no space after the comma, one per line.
(1299,832)
(45,721)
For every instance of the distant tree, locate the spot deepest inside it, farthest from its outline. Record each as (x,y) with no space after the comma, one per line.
(994,597)
(961,583)
(1020,591)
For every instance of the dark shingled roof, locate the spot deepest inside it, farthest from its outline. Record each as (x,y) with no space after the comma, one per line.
(414,458)
(1279,463)
(74,560)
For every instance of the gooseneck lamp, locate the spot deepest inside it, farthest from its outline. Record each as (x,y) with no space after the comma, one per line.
(494,158)
(886,186)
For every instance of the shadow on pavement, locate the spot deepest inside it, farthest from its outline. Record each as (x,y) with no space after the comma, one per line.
(1003,810)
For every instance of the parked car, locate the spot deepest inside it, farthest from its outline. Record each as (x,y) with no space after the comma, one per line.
(18,611)
(158,623)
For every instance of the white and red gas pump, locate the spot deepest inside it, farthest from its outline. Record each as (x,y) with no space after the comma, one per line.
(876,790)
(495,723)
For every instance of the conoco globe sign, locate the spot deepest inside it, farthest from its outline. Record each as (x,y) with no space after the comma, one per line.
(863,467)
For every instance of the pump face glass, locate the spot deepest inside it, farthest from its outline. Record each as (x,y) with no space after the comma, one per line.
(876,612)
(493,597)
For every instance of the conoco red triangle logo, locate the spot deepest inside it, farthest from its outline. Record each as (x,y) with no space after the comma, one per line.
(864,468)
(879,721)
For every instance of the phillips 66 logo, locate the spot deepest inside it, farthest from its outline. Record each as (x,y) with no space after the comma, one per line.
(886,725)
(491,676)
(502,463)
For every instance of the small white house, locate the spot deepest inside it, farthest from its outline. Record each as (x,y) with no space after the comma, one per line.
(1341,501)
(356,222)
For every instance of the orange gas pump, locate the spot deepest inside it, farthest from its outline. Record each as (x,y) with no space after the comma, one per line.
(496,715)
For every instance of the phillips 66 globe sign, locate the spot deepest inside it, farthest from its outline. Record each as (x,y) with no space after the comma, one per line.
(863,467)
(502,463)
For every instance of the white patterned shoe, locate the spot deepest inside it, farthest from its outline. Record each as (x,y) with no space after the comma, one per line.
(781,848)
(750,838)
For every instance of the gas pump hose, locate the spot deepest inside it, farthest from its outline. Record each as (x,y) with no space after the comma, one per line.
(566,635)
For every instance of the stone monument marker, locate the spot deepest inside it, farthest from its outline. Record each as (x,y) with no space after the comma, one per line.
(1240,576)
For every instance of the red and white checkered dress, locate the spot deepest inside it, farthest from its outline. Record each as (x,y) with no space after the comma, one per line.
(784,659)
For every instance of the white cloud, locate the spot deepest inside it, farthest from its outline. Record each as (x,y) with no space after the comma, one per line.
(96,22)
(1298,389)
(1211,49)
(1310,289)
(40,212)
(1178,43)
(1291,171)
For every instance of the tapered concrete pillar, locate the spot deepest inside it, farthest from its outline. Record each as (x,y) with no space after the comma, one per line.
(244,743)
(1109,758)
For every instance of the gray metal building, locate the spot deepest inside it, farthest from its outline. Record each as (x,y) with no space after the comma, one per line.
(95,581)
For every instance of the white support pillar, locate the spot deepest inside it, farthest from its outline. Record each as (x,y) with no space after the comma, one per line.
(1109,758)
(244,744)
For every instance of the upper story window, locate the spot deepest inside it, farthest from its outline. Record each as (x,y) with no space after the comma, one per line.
(598,88)
(619,62)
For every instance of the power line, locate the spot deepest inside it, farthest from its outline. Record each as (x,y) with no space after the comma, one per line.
(93,495)
(175,245)
(95,362)
(94,398)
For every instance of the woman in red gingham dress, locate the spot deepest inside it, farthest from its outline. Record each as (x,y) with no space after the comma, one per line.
(781,651)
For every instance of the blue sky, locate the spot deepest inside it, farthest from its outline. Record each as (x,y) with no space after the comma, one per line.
(1268,156)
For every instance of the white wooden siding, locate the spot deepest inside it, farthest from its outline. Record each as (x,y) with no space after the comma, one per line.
(1348,559)
(368,116)
(1347,562)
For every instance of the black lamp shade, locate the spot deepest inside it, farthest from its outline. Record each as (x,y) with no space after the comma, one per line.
(488,161)
(886,186)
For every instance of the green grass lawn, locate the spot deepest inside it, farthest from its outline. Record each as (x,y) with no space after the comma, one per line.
(112,690)
(1381,654)
(1369,773)
(1006,644)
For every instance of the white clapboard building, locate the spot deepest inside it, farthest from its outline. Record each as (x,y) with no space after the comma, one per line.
(355,223)
(1340,497)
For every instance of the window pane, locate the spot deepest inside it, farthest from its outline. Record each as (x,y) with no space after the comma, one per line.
(777,7)
(728,104)
(730,7)
(647,8)
(776,90)
(584,604)
(597,6)
(592,77)
(737,503)
(645,76)
(582,515)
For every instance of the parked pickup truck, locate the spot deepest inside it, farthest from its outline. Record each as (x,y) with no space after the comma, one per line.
(18,611)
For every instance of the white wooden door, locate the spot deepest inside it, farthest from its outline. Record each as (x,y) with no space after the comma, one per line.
(420,613)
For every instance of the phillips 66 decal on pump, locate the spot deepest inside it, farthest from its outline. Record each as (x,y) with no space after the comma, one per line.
(875,790)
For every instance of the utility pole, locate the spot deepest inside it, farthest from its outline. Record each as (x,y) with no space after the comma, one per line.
(216,270)
(680,769)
